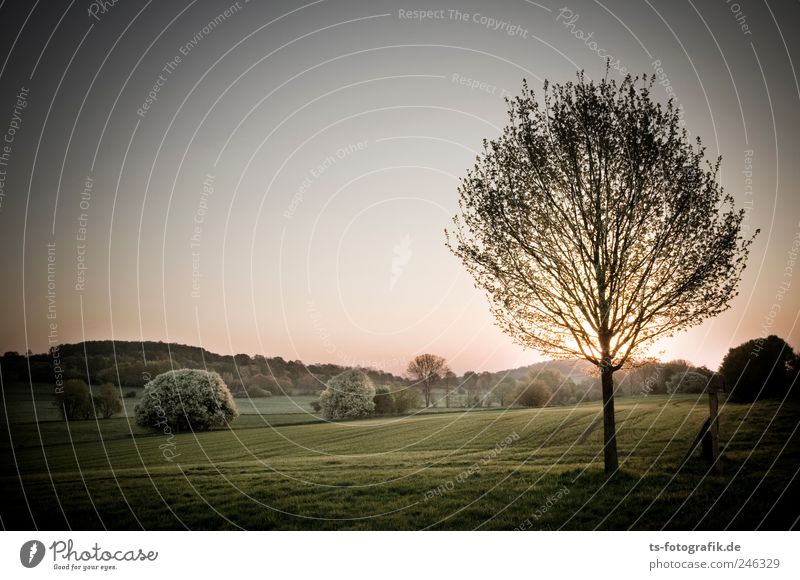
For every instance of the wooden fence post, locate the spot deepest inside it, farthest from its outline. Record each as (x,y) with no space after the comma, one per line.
(715,386)
(708,435)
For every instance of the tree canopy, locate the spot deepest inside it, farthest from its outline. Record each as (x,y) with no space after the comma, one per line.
(427,369)
(186,400)
(595,226)
(761,368)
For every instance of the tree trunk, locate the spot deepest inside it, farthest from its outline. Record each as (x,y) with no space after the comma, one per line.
(609,425)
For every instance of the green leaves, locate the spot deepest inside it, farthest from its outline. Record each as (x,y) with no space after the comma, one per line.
(592,216)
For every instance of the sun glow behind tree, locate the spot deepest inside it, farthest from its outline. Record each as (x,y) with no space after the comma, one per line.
(595,227)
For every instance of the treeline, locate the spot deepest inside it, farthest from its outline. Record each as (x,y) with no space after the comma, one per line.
(567,382)
(760,368)
(133,364)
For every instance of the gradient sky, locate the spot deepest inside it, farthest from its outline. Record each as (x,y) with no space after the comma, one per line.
(313,151)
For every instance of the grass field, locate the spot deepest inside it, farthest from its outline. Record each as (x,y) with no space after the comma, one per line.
(489,469)
(20,403)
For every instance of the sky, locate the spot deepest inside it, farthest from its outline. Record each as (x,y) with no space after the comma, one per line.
(275,178)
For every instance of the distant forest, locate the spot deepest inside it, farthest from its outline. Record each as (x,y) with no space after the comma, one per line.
(131,364)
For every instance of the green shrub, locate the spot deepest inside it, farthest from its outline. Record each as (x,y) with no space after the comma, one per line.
(349,395)
(108,403)
(384,402)
(407,399)
(186,399)
(688,382)
(75,400)
(535,393)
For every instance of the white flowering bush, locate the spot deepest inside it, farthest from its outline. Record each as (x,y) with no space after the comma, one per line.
(186,399)
(349,395)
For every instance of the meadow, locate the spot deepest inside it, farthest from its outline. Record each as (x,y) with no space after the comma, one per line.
(281,468)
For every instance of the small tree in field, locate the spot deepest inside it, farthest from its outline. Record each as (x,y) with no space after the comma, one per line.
(108,403)
(596,227)
(449,380)
(406,400)
(503,392)
(186,399)
(384,401)
(349,395)
(532,392)
(427,369)
(690,381)
(74,401)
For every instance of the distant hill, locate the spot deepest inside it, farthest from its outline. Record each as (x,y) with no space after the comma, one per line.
(132,364)
(576,369)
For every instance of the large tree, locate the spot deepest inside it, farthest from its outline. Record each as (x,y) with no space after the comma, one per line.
(596,226)
(427,369)
(762,368)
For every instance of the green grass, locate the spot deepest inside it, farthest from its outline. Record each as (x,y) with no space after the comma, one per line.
(22,400)
(383,473)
